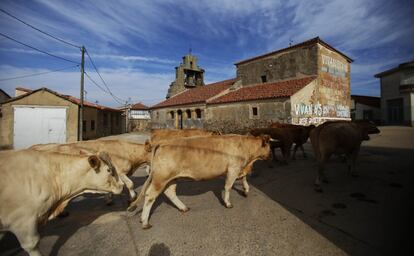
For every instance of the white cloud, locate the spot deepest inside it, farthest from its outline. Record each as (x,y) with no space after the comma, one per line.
(124,83)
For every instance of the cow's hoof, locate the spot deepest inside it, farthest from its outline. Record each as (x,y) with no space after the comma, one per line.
(132,208)
(229,206)
(63,214)
(132,199)
(245,194)
(146,226)
(318,189)
(109,203)
(184,210)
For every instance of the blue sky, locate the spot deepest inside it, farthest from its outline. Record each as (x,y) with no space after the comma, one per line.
(137,44)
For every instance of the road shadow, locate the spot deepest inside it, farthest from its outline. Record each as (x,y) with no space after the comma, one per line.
(159,249)
(82,211)
(364,215)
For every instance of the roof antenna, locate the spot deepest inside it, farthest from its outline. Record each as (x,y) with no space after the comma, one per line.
(290,41)
(190,50)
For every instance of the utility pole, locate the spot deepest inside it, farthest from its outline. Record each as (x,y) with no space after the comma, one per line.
(126,116)
(80,116)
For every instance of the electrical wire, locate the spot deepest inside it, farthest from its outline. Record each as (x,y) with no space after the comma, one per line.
(36,49)
(117,99)
(41,31)
(103,89)
(37,74)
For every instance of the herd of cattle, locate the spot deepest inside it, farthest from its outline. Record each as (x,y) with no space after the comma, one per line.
(37,183)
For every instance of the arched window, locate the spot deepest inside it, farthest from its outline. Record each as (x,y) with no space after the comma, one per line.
(172,114)
(188,112)
(198,113)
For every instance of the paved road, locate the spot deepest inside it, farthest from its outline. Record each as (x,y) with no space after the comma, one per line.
(367,215)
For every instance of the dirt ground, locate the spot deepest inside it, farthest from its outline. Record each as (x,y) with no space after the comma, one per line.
(283,215)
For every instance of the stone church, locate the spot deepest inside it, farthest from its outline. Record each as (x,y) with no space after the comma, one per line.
(307,83)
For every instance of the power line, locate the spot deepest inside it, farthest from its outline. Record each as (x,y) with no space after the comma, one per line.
(103,89)
(37,74)
(41,31)
(34,48)
(119,100)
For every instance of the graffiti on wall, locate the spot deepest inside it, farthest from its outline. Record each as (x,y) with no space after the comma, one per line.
(321,110)
(317,113)
(334,66)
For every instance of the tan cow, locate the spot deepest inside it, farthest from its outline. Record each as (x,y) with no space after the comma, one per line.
(127,156)
(339,138)
(200,158)
(160,135)
(36,186)
(298,133)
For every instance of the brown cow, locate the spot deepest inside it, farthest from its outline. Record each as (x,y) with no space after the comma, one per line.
(160,135)
(299,135)
(338,138)
(282,139)
(36,186)
(200,158)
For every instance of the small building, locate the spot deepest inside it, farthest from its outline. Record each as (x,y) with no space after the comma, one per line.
(45,116)
(397,94)
(366,108)
(139,118)
(3,96)
(307,83)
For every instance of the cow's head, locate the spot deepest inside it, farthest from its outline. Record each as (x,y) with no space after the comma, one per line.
(265,147)
(103,176)
(148,146)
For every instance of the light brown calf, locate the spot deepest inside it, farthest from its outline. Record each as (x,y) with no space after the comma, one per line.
(200,158)
(36,186)
(160,135)
(127,156)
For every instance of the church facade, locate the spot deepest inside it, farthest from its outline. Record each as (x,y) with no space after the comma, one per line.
(307,83)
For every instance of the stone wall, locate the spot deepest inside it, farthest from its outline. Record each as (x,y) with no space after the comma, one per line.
(239,117)
(292,64)
(139,125)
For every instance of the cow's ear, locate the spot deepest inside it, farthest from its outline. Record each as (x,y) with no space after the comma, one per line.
(147,146)
(265,140)
(94,162)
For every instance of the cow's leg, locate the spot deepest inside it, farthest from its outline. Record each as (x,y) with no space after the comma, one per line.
(28,237)
(273,149)
(109,198)
(231,177)
(171,193)
(303,151)
(353,158)
(294,152)
(148,170)
(246,186)
(130,186)
(321,172)
(150,195)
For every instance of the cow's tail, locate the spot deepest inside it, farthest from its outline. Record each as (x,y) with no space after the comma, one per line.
(132,208)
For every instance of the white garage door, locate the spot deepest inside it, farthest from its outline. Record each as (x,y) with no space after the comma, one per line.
(38,125)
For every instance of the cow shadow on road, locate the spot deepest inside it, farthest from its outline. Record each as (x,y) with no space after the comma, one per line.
(363,215)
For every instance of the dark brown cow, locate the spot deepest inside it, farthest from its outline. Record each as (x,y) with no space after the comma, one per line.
(299,134)
(283,141)
(340,138)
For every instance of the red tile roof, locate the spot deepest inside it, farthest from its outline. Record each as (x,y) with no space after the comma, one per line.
(196,95)
(264,91)
(367,100)
(66,97)
(303,44)
(139,106)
